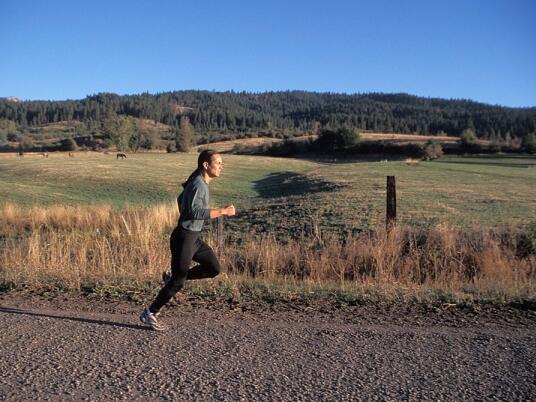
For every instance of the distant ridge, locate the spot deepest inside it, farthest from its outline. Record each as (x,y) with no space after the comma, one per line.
(284,112)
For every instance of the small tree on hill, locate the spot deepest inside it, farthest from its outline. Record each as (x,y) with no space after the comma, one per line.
(184,136)
(468,140)
(110,126)
(125,129)
(149,138)
(26,143)
(338,139)
(6,127)
(468,136)
(134,139)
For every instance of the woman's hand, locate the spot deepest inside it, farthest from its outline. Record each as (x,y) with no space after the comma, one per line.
(227,211)
(230,210)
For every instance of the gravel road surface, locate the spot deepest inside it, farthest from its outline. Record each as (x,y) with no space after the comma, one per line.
(72,348)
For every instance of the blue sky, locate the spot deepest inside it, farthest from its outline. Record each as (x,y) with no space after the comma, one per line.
(480,50)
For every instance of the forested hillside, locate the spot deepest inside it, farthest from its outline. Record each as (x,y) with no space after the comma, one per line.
(234,112)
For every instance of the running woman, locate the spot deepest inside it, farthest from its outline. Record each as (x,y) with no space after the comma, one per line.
(185,242)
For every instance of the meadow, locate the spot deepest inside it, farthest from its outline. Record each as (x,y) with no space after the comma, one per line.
(275,194)
(93,222)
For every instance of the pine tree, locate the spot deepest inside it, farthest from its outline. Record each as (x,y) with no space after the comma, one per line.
(109,125)
(184,136)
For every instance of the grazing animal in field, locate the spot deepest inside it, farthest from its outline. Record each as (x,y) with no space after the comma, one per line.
(121,155)
(45,154)
(71,155)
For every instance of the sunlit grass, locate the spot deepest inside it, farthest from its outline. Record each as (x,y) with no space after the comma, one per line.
(291,194)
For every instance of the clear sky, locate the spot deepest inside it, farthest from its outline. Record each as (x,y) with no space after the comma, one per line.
(481,50)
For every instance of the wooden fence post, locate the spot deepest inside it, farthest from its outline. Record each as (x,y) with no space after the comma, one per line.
(390,217)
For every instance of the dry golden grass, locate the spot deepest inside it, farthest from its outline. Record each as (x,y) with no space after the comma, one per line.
(412,162)
(72,247)
(150,124)
(409,137)
(61,125)
(73,244)
(227,146)
(370,136)
(55,154)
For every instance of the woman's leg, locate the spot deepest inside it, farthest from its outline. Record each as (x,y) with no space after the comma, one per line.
(209,265)
(183,248)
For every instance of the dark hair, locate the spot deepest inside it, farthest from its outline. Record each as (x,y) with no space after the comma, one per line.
(204,156)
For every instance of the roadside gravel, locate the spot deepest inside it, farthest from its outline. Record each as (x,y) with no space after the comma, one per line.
(74,348)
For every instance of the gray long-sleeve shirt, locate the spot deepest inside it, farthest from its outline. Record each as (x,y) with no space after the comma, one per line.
(193,205)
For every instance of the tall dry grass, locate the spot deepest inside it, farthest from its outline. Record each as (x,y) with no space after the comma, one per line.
(71,245)
(74,247)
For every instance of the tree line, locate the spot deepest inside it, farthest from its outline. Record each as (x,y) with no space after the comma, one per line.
(232,113)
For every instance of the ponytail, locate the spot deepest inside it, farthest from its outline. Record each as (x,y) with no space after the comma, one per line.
(191,177)
(204,156)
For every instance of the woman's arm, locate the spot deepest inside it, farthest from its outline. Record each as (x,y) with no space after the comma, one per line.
(227,211)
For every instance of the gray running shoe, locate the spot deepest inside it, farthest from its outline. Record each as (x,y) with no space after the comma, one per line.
(149,319)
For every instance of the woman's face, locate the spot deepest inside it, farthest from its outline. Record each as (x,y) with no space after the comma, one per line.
(215,166)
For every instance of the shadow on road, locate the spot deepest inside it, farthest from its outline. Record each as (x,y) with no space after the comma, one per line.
(60,317)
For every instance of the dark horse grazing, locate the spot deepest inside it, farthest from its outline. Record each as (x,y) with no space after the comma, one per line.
(121,155)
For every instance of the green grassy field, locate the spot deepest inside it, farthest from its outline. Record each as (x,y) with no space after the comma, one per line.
(289,195)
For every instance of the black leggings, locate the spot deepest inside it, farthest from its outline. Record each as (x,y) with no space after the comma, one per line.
(186,246)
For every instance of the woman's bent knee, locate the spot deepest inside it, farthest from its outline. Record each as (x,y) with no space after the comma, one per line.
(215,269)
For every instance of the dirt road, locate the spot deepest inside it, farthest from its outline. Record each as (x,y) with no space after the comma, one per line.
(71,348)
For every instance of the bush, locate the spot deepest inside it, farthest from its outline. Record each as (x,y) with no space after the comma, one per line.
(171,147)
(387,148)
(284,148)
(333,140)
(468,136)
(68,144)
(13,137)
(529,143)
(432,150)
(469,141)
(495,148)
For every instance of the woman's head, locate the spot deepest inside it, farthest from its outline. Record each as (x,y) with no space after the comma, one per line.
(208,162)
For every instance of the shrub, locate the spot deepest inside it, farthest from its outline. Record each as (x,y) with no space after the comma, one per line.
(68,144)
(171,147)
(432,150)
(341,138)
(468,136)
(469,141)
(386,148)
(13,137)
(529,143)
(284,148)
(495,148)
